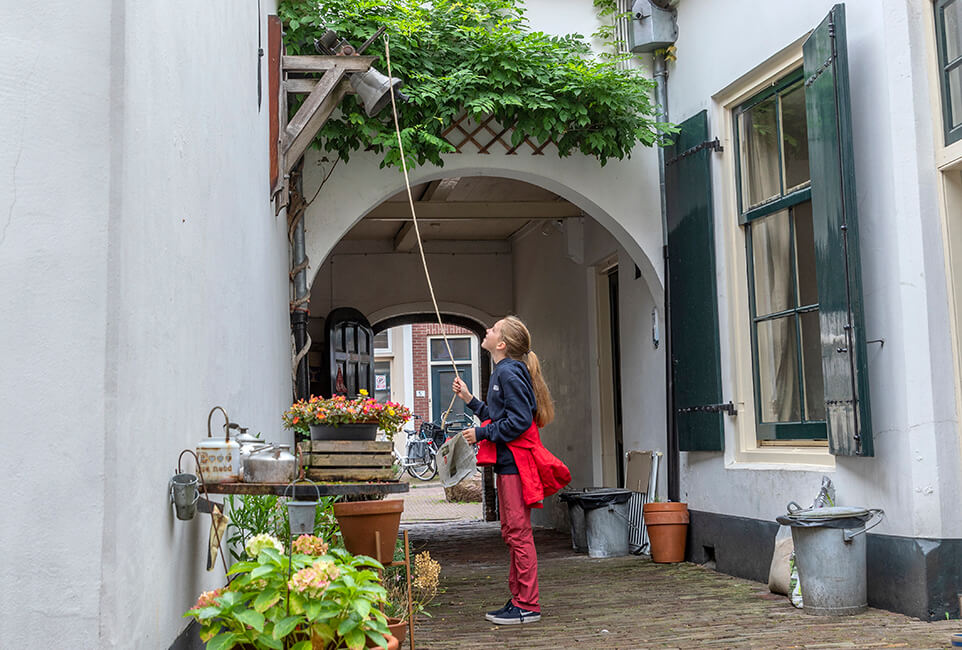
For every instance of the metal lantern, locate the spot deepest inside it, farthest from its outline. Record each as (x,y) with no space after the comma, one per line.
(301,514)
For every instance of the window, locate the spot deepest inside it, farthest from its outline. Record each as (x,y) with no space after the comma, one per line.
(382,342)
(460,348)
(948,32)
(382,381)
(776,212)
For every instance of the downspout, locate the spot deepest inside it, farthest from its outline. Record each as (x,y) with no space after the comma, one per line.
(661,100)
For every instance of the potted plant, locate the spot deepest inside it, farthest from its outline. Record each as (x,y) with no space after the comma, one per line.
(340,418)
(257,514)
(424,587)
(331,600)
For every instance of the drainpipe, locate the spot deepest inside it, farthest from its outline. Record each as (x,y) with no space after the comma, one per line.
(674,458)
(300,311)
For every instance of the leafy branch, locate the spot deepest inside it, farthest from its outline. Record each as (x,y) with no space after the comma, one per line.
(478,56)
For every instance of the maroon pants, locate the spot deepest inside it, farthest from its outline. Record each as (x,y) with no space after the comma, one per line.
(516,532)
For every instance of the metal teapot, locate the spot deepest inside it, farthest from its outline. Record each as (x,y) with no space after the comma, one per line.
(249,443)
(270,464)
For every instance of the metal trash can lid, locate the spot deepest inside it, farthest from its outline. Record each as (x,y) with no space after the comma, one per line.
(829,512)
(830,517)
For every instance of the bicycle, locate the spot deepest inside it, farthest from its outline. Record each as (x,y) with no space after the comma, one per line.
(421,446)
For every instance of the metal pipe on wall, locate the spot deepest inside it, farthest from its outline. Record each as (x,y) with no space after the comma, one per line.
(660,74)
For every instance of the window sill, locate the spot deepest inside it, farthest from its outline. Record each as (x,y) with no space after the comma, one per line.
(785,455)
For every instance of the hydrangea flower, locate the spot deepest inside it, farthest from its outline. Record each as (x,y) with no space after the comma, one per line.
(208,598)
(313,580)
(258,543)
(310,545)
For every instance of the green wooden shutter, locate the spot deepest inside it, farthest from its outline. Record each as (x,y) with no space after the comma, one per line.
(831,161)
(695,354)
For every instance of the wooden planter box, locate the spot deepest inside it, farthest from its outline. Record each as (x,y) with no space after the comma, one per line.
(347,460)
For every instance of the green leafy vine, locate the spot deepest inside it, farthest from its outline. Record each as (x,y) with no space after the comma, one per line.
(477,56)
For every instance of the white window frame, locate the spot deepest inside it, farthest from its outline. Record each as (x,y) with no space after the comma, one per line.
(473,361)
(742,448)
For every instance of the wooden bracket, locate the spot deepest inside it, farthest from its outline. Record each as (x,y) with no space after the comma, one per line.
(290,139)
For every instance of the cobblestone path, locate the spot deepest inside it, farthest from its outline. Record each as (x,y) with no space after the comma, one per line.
(631,603)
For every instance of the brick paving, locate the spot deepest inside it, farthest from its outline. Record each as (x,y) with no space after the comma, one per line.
(631,603)
(425,502)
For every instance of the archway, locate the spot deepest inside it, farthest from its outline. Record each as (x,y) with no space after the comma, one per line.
(554,273)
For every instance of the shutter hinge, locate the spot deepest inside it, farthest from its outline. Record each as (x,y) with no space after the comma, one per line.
(711,408)
(715,145)
(822,68)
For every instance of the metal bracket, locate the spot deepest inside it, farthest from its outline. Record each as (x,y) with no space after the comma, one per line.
(728,408)
(715,145)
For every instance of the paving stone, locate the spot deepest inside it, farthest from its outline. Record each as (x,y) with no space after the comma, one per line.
(630,603)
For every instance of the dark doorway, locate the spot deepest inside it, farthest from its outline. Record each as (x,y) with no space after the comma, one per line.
(615,337)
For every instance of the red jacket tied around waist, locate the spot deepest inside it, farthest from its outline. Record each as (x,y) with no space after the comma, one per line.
(541,472)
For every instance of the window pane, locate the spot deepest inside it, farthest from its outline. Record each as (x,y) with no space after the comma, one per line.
(805,254)
(382,381)
(794,137)
(955,95)
(812,366)
(381,341)
(758,151)
(953,30)
(460,348)
(778,370)
(772,256)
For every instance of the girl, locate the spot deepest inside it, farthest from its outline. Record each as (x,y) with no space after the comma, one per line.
(518,403)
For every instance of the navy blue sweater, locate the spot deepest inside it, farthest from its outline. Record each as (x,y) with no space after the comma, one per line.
(511,408)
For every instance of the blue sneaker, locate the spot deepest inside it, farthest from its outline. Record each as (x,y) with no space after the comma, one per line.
(491,615)
(514,615)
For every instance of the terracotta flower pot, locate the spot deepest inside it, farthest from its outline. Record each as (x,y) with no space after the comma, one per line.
(667,529)
(399,629)
(360,519)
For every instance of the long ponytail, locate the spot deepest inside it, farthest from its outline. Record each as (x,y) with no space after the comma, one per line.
(545,412)
(517,342)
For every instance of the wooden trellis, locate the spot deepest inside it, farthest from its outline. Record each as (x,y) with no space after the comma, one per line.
(466,131)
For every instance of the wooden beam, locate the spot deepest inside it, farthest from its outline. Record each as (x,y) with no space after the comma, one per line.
(306,86)
(318,63)
(273,93)
(406,239)
(312,115)
(439,190)
(455,210)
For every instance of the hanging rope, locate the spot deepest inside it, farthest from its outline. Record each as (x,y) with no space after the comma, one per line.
(417,230)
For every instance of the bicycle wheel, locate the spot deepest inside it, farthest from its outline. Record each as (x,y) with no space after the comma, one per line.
(423,467)
(397,465)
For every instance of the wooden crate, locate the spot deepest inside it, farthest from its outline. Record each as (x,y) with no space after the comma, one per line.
(347,460)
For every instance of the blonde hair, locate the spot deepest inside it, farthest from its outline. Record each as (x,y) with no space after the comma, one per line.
(517,343)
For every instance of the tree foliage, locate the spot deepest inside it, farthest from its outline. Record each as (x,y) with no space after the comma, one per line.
(477,56)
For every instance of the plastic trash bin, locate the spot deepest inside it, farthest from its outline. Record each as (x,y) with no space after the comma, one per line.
(830,556)
(605,521)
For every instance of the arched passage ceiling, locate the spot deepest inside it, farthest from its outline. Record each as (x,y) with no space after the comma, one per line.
(477,208)
(622,197)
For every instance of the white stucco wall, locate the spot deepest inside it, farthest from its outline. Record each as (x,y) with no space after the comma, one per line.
(915,473)
(147,274)
(55,171)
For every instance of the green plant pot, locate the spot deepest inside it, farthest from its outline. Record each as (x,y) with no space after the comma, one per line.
(362,431)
